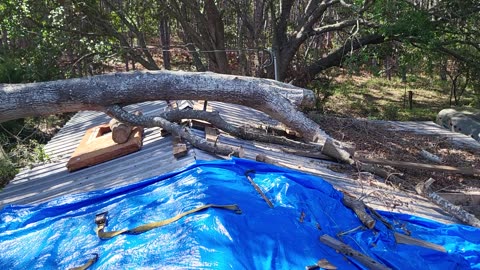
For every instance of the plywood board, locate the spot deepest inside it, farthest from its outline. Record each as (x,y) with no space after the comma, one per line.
(97,146)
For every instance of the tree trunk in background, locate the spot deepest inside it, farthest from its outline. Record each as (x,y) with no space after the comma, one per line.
(3,155)
(4,39)
(216,30)
(165,39)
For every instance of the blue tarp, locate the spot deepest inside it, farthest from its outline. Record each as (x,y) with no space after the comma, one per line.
(60,234)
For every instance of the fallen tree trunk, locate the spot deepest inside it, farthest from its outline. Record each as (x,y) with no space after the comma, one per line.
(279,100)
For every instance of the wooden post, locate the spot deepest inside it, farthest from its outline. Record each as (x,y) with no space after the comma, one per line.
(410,99)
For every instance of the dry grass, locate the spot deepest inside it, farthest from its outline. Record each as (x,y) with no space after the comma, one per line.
(378,98)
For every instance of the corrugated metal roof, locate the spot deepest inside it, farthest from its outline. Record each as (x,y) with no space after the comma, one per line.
(51,180)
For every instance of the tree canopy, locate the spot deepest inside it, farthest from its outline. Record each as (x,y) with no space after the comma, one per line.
(44,40)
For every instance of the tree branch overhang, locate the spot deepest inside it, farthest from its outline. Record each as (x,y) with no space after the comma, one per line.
(279,100)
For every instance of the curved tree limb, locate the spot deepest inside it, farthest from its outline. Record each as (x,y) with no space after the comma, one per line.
(276,99)
(215,119)
(336,58)
(119,113)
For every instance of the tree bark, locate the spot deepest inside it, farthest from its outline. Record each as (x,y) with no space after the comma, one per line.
(216,120)
(278,100)
(177,130)
(423,188)
(164,29)
(336,58)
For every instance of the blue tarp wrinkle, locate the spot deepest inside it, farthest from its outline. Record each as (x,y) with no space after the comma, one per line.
(60,234)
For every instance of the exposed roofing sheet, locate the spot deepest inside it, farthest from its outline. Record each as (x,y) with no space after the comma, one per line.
(41,183)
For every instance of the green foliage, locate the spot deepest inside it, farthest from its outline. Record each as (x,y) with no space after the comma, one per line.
(7,172)
(11,70)
(391,112)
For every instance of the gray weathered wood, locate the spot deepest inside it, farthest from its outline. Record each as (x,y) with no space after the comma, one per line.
(279,100)
(423,188)
(421,166)
(359,208)
(334,149)
(349,251)
(408,240)
(175,129)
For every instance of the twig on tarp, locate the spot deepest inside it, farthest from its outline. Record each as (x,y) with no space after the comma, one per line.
(321,264)
(257,188)
(423,188)
(380,217)
(359,208)
(350,252)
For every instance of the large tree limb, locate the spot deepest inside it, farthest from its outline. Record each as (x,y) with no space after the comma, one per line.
(215,119)
(277,99)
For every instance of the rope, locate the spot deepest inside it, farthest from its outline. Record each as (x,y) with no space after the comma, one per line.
(101,224)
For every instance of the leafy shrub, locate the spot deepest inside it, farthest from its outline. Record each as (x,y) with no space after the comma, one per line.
(391,112)
(7,172)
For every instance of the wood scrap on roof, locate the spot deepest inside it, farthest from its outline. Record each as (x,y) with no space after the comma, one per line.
(97,146)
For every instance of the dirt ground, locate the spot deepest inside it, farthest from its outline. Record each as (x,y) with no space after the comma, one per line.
(375,141)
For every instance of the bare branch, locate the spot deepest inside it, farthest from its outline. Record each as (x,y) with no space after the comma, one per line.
(215,119)
(339,26)
(147,121)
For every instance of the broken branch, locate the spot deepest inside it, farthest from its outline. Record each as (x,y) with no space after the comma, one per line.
(359,208)
(215,119)
(349,251)
(119,113)
(423,188)
(421,166)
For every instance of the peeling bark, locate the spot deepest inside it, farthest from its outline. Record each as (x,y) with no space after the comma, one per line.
(276,99)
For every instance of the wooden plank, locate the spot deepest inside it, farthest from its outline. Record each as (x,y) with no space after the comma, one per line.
(350,252)
(405,239)
(97,146)
(211,134)
(199,105)
(179,148)
(421,166)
